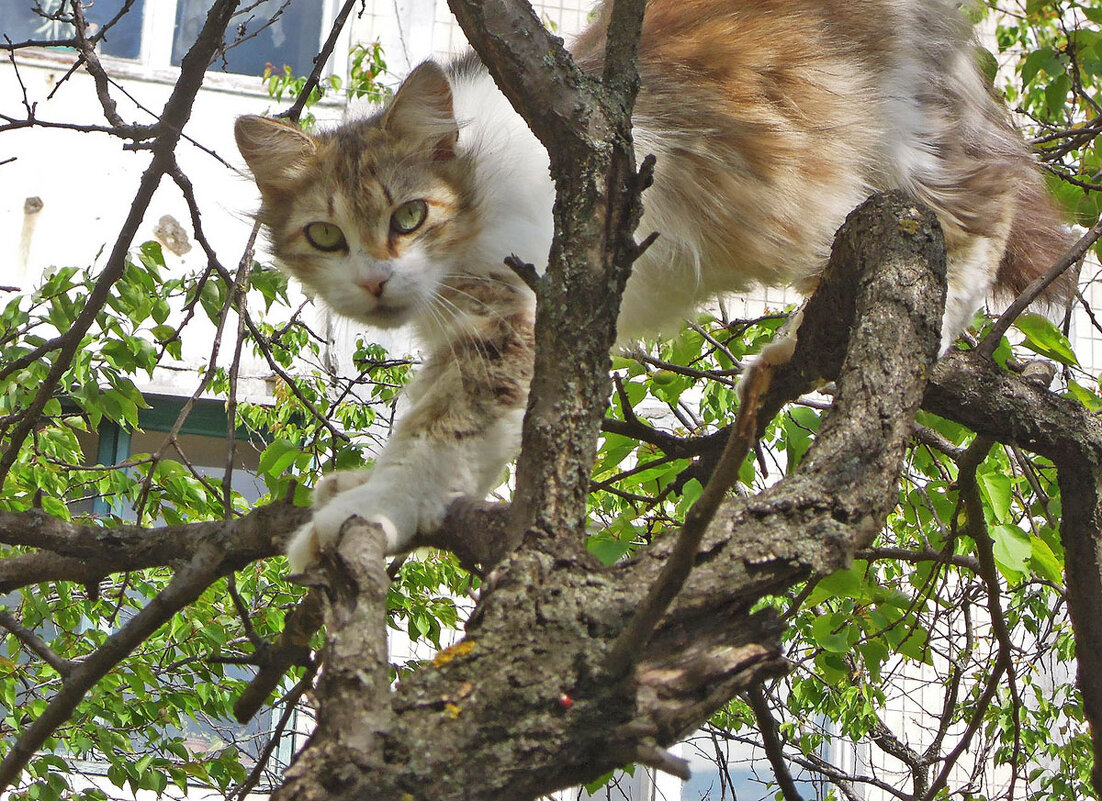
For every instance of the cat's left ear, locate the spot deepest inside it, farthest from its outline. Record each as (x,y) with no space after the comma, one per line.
(422,109)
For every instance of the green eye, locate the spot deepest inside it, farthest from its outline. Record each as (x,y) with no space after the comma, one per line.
(408,217)
(325,236)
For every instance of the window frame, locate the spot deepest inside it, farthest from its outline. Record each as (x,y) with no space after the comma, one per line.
(155,54)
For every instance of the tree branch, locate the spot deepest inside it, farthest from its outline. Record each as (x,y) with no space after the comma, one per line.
(772,743)
(493,706)
(86,553)
(969,389)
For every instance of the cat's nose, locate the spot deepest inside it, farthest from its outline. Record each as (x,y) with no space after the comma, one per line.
(373,284)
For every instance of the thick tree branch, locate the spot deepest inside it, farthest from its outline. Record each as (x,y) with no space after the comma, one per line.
(88,553)
(350,737)
(535,646)
(586,129)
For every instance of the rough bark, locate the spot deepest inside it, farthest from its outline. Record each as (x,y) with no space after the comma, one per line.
(522,706)
(970,389)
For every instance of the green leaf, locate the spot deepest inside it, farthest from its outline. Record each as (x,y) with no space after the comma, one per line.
(152,256)
(799,425)
(277,457)
(692,490)
(1056,95)
(987,63)
(213,298)
(1013,548)
(1043,337)
(844,583)
(823,630)
(914,644)
(55,508)
(874,653)
(160,311)
(595,785)
(996,489)
(1041,59)
(1044,562)
(1089,399)
(608,549)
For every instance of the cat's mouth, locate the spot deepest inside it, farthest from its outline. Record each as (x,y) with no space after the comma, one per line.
(386,315)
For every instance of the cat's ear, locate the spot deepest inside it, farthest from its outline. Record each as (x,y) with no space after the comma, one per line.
(422,109)
(276,151)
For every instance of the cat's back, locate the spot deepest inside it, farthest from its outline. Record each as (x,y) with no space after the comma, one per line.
(772,119)
(764,117)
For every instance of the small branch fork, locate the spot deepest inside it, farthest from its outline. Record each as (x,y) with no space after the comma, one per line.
(705,647)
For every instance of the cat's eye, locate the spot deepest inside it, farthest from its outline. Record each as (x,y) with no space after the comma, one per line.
(408,217)
(325,236)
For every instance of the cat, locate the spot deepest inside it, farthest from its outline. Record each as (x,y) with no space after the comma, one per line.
(770,120)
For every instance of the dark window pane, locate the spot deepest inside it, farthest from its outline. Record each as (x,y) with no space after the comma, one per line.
(19,22)
(272,31)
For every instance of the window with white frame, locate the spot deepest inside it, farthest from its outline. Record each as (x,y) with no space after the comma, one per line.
(158,34)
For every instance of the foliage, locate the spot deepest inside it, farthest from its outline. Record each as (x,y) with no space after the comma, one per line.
(366,66)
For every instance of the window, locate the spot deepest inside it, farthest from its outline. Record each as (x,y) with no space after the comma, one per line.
(269,31)
(19,22)
(202,439)
(157,35)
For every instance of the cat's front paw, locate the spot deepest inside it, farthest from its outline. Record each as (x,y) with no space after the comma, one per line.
(333,484)
(397,518)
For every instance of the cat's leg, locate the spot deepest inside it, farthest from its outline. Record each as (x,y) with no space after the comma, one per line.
(333,484)
(972,264)
(303,546)
(463,426)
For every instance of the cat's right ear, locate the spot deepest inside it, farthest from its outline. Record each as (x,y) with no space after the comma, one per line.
(276,151)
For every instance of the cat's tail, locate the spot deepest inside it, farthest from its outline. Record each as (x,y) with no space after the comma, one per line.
(1038,238)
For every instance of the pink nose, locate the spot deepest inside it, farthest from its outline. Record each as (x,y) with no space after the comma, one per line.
(373,284)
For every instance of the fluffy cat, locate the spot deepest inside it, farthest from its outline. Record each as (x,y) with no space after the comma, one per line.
(770,120)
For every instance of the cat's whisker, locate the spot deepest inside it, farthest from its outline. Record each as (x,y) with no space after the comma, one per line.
(465,330)
(491,306)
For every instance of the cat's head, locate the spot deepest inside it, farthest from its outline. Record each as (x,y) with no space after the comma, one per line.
(374,214)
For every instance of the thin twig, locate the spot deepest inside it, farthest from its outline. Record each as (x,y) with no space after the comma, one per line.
(36,644)
(295,111)
(628,647)
(771,741)
(1036,287)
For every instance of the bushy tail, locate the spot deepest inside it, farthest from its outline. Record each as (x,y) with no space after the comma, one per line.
(1038,237)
